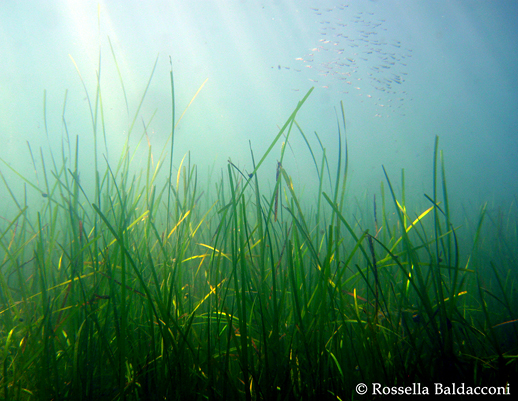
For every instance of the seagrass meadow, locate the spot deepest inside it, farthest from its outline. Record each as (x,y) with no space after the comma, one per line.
(149,286)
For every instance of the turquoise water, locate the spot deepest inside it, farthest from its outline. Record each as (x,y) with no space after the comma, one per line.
(445,68)
(405,72)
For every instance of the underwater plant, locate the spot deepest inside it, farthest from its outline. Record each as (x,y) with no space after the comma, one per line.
(151,288)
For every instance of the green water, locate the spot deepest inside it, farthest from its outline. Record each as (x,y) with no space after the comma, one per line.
(151,284)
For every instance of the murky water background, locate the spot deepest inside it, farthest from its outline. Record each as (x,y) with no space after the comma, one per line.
(406,71)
